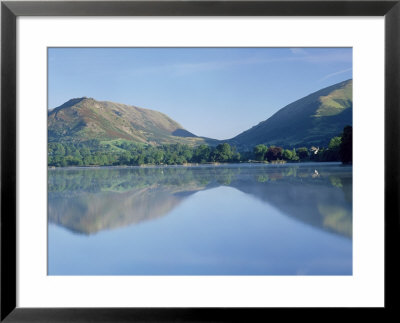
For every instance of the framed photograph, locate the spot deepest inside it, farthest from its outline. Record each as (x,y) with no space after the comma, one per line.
(198,160)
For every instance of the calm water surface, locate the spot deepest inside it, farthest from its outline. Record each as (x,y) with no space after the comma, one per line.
(247,219)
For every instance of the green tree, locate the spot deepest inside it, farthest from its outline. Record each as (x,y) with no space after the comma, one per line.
(140,160)
(303,153)
(159,156)
(332,153)
(59,150)
(294,155)
(85,151)
(335,143)
(287,154)
(187,153)
(72,161)
(202,154)
(260,151)
(125,158)
(223,152)
(236,157)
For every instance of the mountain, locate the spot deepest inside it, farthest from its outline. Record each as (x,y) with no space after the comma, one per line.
(84,119)
(312,120)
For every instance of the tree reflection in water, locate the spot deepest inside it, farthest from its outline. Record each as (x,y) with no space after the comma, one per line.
(89,200)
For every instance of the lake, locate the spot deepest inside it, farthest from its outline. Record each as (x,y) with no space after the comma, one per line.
(234,219)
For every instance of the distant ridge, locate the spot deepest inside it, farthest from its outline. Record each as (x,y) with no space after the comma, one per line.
(312,120)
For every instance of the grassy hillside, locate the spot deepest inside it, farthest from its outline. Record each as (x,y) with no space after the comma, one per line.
(86,119)
(312,120)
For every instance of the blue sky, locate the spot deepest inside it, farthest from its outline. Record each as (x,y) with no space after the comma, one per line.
(212,92)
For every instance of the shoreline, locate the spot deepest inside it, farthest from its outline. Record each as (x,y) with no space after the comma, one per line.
(245,164)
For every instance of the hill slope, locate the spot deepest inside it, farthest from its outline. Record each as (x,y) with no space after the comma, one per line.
(85,119)
(312,120)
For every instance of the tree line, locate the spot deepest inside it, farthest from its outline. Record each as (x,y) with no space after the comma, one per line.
(95,153)
(339,149)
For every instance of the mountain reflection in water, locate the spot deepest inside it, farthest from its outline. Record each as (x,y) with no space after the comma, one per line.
(88,200)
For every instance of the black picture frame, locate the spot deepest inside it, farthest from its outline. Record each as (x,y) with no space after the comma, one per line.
(10,10)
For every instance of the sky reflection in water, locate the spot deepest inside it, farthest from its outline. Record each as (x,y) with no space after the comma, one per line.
(225,220)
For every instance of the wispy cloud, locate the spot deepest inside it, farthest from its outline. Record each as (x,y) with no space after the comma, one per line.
(297,55)
(335,74)
(185,68)
(189,68)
